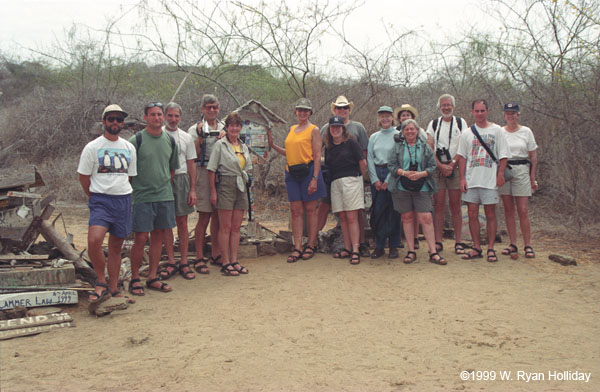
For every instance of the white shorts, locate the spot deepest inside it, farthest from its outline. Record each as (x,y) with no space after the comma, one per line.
(347,194)
(483,196)
(520,184)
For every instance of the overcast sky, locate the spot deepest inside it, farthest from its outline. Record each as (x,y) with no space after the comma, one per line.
(39,23)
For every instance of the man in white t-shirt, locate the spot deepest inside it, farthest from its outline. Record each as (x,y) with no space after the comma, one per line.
(480,176)
(205,134)
(105,165)
(184,192)
(444,133)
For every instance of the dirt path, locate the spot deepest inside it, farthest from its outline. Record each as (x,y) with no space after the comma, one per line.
(323,325)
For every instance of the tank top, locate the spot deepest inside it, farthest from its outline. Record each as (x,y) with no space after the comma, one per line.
(298,146)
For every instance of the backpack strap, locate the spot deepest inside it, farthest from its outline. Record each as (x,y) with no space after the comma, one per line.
(459,123)
(138,140)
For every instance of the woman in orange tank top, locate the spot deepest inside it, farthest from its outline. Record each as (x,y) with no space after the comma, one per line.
(303,178)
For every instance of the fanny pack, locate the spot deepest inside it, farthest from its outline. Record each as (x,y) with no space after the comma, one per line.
(300,171)
(412,185)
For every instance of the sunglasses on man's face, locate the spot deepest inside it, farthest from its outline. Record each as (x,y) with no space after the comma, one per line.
(114,118)
(343,107)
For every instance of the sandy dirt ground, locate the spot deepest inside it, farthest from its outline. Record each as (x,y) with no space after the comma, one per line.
(324,325)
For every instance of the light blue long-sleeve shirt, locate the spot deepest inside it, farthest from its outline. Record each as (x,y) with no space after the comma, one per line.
(381,143)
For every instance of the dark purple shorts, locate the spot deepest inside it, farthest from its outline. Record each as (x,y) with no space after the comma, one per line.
(112,212)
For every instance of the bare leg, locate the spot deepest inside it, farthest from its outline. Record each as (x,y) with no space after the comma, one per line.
(200,233)
(169,240)
(322,214)
(345,230)
(426,222)
(408,225)
(234,240)
(311,221)
(509,216)
(156,240)
(523,211)
(361,225)
(224,234)
(95,239)
(137,252)
(297,223)
(439,200)
(214,239)
(474,227)
(456,213)
(491,224)
(353,228)
(114,261)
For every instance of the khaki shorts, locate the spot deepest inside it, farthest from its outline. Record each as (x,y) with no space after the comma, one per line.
(483,196)
(405,201)
(445,182)
(229,196)
(203,190)
(181,190)
(520,184)
(347,194)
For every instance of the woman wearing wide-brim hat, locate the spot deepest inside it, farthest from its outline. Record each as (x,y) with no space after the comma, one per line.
(303,179)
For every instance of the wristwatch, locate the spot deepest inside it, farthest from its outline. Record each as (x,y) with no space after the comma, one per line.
(316,178)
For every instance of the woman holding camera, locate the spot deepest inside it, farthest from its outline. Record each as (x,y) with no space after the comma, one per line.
(346,163)
(517,190)
(381,143)
(303,179)
(230,158)
(411,166)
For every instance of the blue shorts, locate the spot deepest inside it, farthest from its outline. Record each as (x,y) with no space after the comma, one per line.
(112,212)
(297,190)
(153,215)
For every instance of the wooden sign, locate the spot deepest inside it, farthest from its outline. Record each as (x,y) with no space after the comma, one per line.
(38,298)
(34,321)
(15,333)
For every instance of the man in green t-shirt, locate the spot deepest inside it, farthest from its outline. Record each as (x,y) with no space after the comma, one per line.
(153,201)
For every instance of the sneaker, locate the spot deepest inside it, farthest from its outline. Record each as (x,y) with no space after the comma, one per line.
(377,253)
(364,250)
(393,253)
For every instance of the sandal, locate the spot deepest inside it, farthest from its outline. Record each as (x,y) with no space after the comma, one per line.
(136,290)
(308,252)
(165,273)
(215,260)
(491,256)
(164,288)
(242,270)
(292,258)
(459,248)
(410,257)
(342,254)
(99,298)
(187,274)
(355,258)
(417,243)
(529,253)
(437,260)
(469,256)
(511,251)
(439,247)
(229,270)
(201,267)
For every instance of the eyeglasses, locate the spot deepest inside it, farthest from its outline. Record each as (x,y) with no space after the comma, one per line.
(211,107)
(343,107)
(114,118)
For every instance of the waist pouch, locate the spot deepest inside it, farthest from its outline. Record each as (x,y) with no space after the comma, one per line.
(300,171)
(410,185)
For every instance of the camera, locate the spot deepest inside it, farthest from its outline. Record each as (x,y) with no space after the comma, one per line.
(443,155)
(398,138)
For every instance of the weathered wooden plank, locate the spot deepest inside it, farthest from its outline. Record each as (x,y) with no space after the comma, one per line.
(17,177)
(47,276)
(38,298)
(10,256)
(28,195)
(15,333)
(34,321)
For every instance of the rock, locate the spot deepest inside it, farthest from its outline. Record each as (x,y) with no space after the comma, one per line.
(266,249)
(282,246)
(110,305)
(562,259)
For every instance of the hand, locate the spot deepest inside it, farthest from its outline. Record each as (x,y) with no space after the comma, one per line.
(312,186)
(213,199)
(270,137)
(500,179)
(192,199)
(534,184)
(446,170)
(413,175)
(377,185)
(463,185)
(221,134)
(384,186)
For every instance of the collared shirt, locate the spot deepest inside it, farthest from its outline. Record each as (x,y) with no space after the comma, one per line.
(224,160)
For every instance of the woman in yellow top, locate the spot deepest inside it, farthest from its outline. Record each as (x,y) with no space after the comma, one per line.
(231,159)
(303,180)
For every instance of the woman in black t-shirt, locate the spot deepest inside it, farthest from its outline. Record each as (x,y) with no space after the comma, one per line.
(344,157)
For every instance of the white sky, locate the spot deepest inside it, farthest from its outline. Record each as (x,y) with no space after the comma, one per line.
(39,23)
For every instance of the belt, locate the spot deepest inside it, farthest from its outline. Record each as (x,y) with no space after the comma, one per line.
(519,161)
(376,165)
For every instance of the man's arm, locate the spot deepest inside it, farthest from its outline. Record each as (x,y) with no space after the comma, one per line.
(191,168)
(85,182)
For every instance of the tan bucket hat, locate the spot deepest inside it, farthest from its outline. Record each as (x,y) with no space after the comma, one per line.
(341,101)
(408,108)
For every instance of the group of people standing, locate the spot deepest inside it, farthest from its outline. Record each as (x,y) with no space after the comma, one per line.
(165,173)
(410,171)
(152,182)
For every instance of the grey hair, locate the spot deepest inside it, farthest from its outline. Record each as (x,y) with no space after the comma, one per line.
(173,105)
(446,96)
(208,98)
(409,121)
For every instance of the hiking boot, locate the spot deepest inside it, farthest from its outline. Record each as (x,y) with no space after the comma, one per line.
(393,253)
(377,253)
